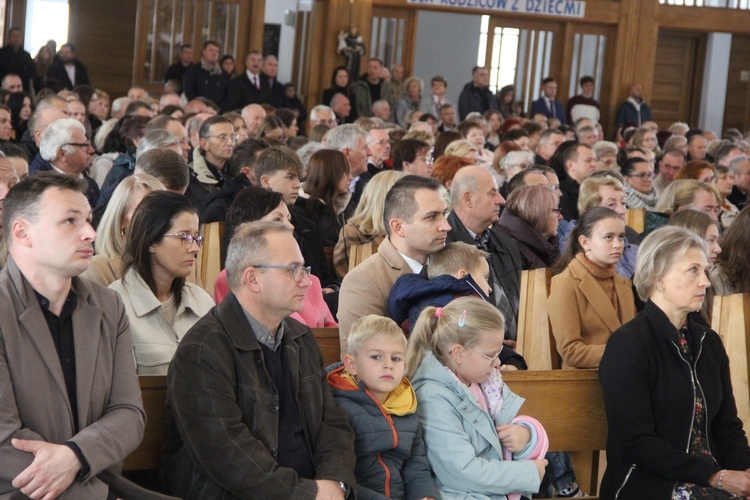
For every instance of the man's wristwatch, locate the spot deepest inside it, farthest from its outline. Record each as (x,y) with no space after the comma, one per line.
(345,489)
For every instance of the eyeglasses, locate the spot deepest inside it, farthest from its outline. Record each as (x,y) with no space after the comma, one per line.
(384,142)
(225,137)
(644,176)
(78,144)
(428,160)
(298,272)
(554,187)
(491,359)
(557,211)
(521,165)
(187,239)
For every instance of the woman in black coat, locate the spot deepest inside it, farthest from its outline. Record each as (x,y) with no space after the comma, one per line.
(673,425)
(530,218)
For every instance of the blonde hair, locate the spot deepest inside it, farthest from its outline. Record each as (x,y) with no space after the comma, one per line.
(420,135)
(368,217)
(682,193)
(373,326)
(658,252)
(453,257)
(461,147)
(459,323)
(111,237)
(588,196)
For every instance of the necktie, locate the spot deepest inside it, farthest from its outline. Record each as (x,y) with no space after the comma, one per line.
(256,82)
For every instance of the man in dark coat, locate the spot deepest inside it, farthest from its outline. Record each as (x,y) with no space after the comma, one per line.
(67,69)
(276,88)
(207,79)
(476,203)
(476,95)
(261,421)
(13,59)
(176,72)
(251,87)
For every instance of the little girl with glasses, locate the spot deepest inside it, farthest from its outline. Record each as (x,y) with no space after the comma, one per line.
(475,444)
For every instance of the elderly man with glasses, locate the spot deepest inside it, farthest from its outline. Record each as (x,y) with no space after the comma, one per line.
(64,148)
(250,412)
(217,140)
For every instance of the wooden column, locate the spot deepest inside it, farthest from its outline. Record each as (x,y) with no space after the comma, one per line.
(635,53)
(329,18)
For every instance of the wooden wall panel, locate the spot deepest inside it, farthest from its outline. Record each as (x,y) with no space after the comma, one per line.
(677,82)
(737,106)
(104,34)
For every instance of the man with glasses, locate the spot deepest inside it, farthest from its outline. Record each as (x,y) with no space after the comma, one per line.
(251,414)
(217,141)
(64,148)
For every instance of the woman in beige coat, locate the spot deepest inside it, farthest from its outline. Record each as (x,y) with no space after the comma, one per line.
(588,300)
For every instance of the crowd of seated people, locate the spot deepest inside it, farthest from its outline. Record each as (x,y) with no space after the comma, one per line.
(454,211)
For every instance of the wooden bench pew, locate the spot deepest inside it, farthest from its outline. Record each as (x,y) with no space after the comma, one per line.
(148,454)
(328,341)
(731,320)
(636,219)
(534,338)
(570,406)
(209,258)
(359,253)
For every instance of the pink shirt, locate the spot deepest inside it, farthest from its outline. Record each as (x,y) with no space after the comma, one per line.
(314,313)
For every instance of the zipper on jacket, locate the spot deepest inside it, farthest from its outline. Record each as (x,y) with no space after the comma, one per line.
(705,401)
(387,476)
(692,382)
(627,476)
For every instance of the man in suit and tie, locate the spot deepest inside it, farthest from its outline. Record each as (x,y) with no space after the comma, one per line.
(67,69)
(476,203)
(72,407)
(547,105)
(251,87)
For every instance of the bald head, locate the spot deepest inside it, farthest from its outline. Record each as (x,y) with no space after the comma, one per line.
(42,119)
(252,114)
(475,198)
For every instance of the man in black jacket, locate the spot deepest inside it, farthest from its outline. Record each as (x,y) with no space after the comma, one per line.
(13,59)
(67,69)
(476,203)
(250,412)
(207,79)
(476,95)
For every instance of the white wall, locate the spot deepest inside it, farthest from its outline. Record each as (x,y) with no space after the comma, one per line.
(714,94)
(275,15)
(447,45)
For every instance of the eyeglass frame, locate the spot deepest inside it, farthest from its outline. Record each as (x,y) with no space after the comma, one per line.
(491,359)
(305,269)
(643,175)
(189,238)
(234,137)
(79,144)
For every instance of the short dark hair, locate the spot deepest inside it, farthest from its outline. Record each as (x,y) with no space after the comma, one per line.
(12,150)
(514,134)
(628,166)
(151,221)
(134,106)
(407,150)
(69,45)
(245,154)
(439,78)
(586,79)
(519,179)
(276,158)
(547,80)
(692,133)
(167,166)
(23,199)
(465,126)
(160,122)
(400,201)
(211,42)
(251,203)
(205,130)
(185,46)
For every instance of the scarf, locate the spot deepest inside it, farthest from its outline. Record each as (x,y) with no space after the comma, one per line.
(604,277)
(401,401)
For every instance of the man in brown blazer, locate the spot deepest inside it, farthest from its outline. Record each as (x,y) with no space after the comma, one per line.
(417,228)
(71,404)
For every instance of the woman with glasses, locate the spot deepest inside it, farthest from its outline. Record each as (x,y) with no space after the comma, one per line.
(588,300)
(639,184)
(160,253)
(530,218)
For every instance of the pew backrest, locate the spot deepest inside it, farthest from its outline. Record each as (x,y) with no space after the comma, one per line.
(328,341)
(534,336)
(148,454)
(636,219)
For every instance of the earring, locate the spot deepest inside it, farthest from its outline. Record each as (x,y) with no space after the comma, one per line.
(586,253)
